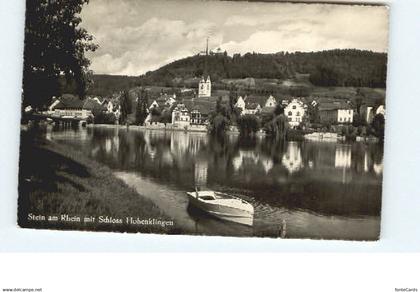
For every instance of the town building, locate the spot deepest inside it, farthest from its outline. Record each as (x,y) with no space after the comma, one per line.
(269,106)
(204,87)
(270,102)
(170,100)
(251,109)
(154,104)
(295,112)
(248,106)
(196,116)
(335,112)
(199,111)
(381,110)
(70,106)
(181,116)
(240,103)
(345,116)
(110,106)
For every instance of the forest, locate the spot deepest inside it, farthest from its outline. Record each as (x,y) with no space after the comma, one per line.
(335,68)
(350,67)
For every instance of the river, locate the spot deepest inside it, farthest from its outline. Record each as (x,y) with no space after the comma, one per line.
(314,189)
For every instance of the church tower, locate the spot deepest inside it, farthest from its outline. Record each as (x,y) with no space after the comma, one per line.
(204,86)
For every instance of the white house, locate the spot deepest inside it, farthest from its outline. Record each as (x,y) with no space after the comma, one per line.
(110,107)
(55,102)
(270,102)
(240,103)
(370,113)
(381,110)
(204,87)
(345,116)
(181,116)
(171,100)
(154,105)
(295,111)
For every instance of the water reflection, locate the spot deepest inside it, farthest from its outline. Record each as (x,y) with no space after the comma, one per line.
(322,189)
(292,158)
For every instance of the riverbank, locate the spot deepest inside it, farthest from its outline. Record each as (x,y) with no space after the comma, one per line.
(57,180)
(193,128)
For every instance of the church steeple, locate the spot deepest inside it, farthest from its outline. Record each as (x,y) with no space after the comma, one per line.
(204,86)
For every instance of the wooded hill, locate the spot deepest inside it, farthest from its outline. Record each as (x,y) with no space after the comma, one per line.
(354,68)
(336,68)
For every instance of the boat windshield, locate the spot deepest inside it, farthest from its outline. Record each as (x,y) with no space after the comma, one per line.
(207,197)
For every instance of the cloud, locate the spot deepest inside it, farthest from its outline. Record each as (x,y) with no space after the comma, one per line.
(133,50)
(314,28)
(136,36)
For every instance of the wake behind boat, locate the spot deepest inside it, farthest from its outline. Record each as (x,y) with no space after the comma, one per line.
(223,206)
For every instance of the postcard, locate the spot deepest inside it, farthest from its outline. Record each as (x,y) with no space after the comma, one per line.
(228,118)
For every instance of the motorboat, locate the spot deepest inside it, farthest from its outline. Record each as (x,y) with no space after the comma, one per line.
(223,206)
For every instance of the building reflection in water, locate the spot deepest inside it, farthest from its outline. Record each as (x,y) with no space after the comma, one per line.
(292,158)
(200,172)
(167,158)
(108,145)
(343,161)
(378,168)
(267,164)
(369,164)
(343,156)
(252,158)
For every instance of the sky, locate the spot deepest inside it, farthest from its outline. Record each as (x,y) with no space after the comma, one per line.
(136,36)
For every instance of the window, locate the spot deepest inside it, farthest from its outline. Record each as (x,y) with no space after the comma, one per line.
(298,114)
(290,119)
(289,113)
(294,107)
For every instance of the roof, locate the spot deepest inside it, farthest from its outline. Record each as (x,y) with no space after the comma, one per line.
(69,101)
(267,110)
(205,107)
(92,105)
(252,106)
(250,99)
(333,105)
(160,102)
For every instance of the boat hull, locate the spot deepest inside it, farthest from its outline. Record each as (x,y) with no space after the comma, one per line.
(242,216)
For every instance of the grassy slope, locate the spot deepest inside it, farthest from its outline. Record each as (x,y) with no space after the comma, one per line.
(55,179)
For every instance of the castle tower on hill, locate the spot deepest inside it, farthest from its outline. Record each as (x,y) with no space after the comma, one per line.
(204,87)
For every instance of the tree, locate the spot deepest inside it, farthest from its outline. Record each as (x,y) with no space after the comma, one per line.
(218,119)
(358,120)
(359,100)
(55,46)
(155,111)
(248,124)
(378,124)
(278,127)
(278,110)
(142,110)
(125,104)
(218,124)
(166,116)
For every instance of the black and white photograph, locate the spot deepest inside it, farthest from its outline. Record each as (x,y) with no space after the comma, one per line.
(211,118)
